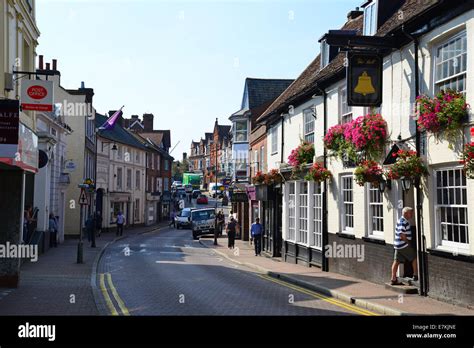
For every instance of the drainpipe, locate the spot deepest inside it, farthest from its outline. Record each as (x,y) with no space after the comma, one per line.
(420,236)
(325,235)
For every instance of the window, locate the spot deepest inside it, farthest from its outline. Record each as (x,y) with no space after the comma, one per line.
(119,178)
(345,111)
(324,54)
(451,209)
(256,162)
(274,140)
(375,201)
(167,165)
(317,223)
(166,184)
(370,19)
(137,156)
(157,160)
(119,152)
(241,131)
(262,156)
(291,211)
(347,202)
(303,213)
(149,184)
(137,180)
(309,125)
(451,64)
(129,179)
(137,210)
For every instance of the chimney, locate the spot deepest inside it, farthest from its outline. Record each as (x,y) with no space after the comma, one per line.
(41,62)
(185,156)
(48,66)
(134,117)
(148,122)
(354,14)
(83,85)
(55,64)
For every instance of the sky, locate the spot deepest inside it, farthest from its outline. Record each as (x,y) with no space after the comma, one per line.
(184,61)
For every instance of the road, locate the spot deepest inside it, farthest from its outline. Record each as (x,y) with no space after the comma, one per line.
(168,273)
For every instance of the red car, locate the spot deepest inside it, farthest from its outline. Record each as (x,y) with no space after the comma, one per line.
(202,200)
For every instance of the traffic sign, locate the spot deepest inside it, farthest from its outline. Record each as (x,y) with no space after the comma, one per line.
(83,198)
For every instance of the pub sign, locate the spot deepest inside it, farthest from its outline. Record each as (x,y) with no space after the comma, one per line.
(364,79)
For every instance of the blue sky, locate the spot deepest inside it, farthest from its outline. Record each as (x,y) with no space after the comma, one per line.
(183,61)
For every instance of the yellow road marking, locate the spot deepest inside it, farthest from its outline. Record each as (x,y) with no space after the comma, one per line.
(108,301)
(122,306)
(321,297)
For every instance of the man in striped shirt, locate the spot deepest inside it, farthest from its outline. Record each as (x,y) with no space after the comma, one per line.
(404,252)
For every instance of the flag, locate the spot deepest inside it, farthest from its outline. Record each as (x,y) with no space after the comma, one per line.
(110,123)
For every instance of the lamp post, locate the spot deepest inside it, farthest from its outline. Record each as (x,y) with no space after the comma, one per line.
(216,232)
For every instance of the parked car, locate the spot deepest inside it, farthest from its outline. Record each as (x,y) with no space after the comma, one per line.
(196,193)
(180,193)
(183,219)
(203,222)
(188,188)
(175,184)
(202,199)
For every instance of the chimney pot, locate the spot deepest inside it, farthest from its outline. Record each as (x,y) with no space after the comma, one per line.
(48,66)
(55,64)
(83,85)
(41,62)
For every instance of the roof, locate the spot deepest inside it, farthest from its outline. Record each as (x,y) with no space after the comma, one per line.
(117,133)
(150,145)
(305,84)
(223,131)
(259,91)
(159,136)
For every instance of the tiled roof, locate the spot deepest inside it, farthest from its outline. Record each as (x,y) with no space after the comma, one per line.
(260,91)
(223,131)
(150,145)
(117,134)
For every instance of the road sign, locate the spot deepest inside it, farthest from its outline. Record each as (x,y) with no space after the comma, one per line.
(83,198)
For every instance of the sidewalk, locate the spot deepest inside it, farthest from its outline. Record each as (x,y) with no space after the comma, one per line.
(56,284)
(361,293)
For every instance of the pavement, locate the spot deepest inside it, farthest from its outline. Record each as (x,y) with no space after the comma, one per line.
(350,290)
(56,284)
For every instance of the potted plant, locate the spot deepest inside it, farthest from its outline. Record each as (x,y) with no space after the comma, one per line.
(407,166)
(442,115)
(336,143)
(467,159)
(259,178)
(272,177)
(368,171)
(367,134)
(318,173)
(303,154)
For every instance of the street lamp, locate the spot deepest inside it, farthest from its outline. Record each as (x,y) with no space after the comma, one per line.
(216,232)
(406,183)
(383,184)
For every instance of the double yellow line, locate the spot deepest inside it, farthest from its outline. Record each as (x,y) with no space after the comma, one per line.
(314,294)
(103,277)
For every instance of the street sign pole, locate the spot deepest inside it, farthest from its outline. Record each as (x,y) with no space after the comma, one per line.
(82,202)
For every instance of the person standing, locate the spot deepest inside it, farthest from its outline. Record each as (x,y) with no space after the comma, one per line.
(53,231)
(120,223)
(90,226)
(172,219)
(404,252)
(231,231)
(256,234)
(220,222)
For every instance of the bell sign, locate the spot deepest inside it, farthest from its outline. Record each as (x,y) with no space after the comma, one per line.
(364,79)
(37,95)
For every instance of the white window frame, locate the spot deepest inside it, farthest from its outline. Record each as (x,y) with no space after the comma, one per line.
(129,179)
(451,246)
(346,178)
(138,180)
(246,131)
(308,124)
(436,62)
(119,181)
(274,140)
(262,156)
(291,211)
(345,111)
(325,51)
(316,215)
(302,207)
(373,22)
(378,232)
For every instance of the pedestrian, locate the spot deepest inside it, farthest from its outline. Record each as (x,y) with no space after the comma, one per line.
(120,222)
(172,219)
(256,235)
(220,222)
(404,252)
(231,231)
(90,228)
(98,222)
(53,231)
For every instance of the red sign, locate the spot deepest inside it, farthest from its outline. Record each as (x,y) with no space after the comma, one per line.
(472,132)
(37,92)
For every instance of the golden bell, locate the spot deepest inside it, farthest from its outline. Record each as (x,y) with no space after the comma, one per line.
(364,86)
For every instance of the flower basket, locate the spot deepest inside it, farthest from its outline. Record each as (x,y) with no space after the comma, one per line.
(273,177)
(367,134)
(368,172)
(336,143)
(443,113)
(467,159)
(259,178)
(303,154)
(408,165)
(318,173)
